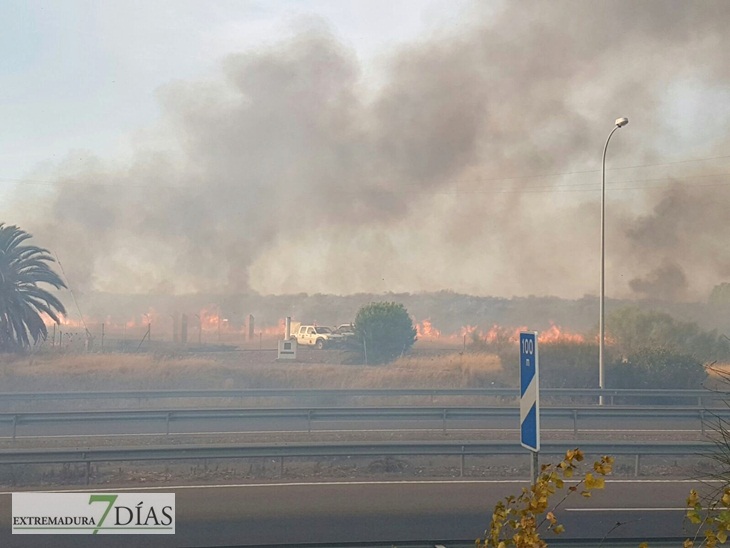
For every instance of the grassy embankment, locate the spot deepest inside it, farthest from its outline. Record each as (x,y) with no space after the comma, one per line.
(247,370)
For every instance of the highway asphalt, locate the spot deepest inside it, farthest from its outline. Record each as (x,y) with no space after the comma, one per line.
(379,511)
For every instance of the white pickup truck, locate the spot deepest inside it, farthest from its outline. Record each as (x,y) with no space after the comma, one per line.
(315,335)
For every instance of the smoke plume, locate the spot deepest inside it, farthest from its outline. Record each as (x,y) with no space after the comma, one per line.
(473,164)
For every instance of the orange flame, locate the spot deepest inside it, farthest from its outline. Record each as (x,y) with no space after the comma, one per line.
(426,331)
(496,334)
(273,330)
(209,317)
(211,325)
(557,335)
(554,334)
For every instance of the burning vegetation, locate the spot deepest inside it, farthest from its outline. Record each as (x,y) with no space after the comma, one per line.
(496,334)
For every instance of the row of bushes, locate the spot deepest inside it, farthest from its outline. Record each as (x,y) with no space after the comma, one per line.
(648,349)
(575,365)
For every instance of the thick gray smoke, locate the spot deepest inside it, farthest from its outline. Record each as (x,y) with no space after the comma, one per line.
(471,165)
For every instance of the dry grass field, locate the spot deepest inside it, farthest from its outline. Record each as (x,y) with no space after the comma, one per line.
(246,369)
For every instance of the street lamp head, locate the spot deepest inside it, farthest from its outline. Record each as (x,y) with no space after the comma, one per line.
(621,122)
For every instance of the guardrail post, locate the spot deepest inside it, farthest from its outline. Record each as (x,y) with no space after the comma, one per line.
(702,421)
(309,421)
(444,420)
(637,464)
(167,424)
(281,467)
(461,470)
(88,472)
(15,424)
(575,423)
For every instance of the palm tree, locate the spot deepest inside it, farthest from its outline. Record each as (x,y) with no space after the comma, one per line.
(22,268)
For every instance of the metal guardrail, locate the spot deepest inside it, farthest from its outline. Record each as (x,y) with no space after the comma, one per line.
(311,415)
(609,394)
(356,449)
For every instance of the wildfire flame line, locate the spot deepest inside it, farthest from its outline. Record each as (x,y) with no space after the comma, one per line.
(209,319)
(425,330)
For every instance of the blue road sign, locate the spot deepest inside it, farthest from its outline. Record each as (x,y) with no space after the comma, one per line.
(529,392)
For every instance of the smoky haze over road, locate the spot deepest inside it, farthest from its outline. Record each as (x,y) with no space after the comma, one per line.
(468,159)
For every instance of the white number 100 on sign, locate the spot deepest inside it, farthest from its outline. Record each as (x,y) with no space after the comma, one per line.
(528,346)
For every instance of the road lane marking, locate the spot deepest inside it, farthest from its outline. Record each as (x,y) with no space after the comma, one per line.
(627,509)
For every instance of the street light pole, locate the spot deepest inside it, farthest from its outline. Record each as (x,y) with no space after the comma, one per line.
(621,122)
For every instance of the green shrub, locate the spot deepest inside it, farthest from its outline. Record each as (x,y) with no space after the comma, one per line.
(383,332)
(632,330)
(568,365)
(656,368)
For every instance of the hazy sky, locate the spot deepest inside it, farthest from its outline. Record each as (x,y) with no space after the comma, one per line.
(350,146)
(84,74)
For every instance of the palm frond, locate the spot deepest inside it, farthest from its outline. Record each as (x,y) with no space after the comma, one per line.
(22,302)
